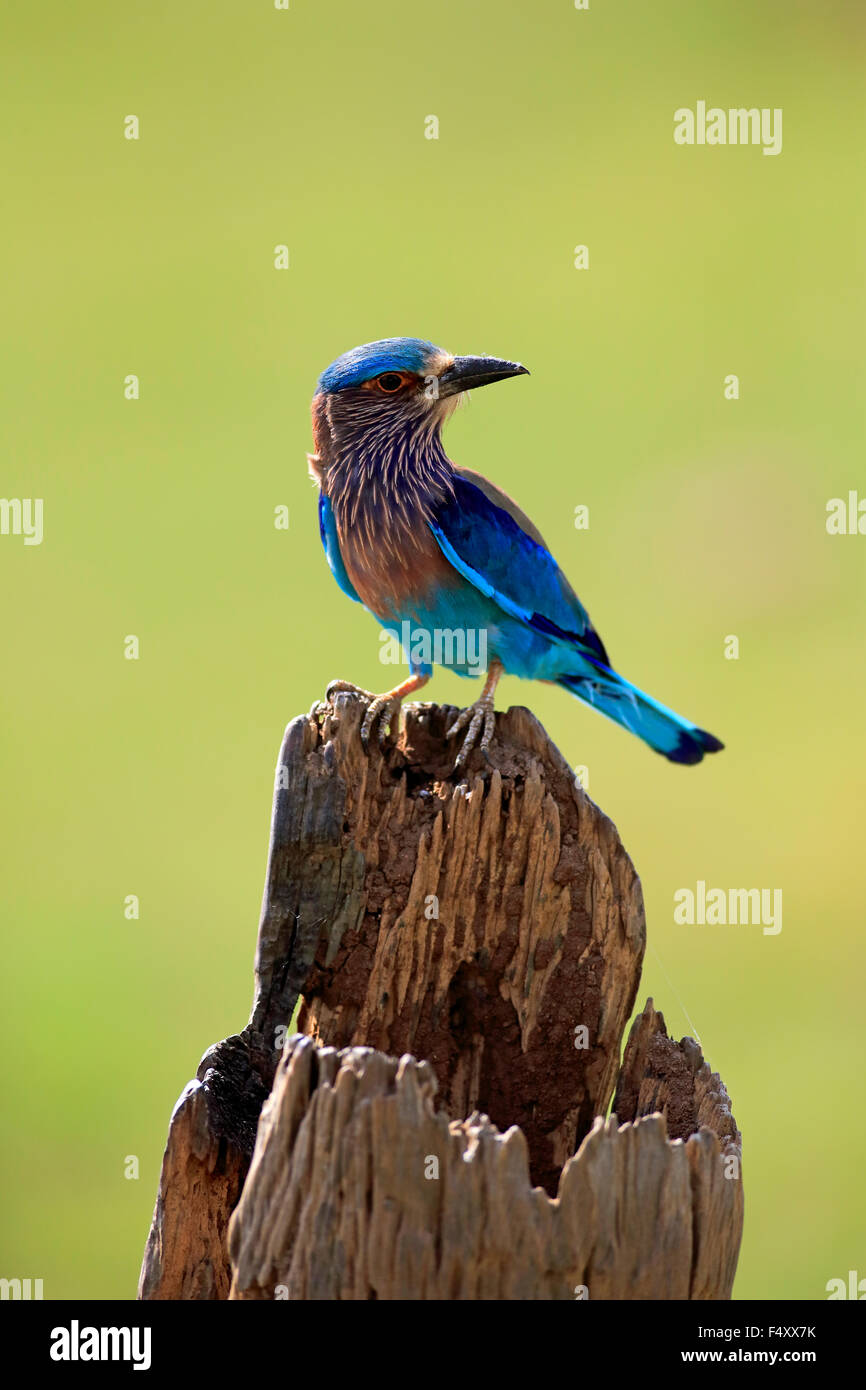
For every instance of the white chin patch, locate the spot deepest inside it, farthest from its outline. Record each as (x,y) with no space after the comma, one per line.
(445,406)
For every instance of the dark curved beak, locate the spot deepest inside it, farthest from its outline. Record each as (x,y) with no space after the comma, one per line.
(468,372)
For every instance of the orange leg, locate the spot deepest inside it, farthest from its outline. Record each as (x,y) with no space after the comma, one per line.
(385,707)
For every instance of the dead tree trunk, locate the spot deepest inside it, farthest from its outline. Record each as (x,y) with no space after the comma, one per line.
(493,928)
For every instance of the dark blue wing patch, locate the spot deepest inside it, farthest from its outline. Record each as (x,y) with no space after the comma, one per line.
(487,546)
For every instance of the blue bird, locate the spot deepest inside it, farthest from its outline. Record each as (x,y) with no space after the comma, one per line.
(446,561)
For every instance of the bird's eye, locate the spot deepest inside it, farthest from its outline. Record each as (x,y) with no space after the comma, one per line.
(390,382)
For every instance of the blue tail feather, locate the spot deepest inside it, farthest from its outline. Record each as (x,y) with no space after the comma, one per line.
(666,732)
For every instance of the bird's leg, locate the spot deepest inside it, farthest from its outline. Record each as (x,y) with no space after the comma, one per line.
(387,706)
(475,715)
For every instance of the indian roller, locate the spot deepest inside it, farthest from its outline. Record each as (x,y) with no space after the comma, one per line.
(431,548)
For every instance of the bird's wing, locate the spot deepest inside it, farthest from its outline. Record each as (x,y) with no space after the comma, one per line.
(489,540)
(328,532)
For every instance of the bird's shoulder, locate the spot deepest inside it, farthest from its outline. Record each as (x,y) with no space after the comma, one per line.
(500,498)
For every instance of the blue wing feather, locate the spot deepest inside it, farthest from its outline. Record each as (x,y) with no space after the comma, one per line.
(491,550)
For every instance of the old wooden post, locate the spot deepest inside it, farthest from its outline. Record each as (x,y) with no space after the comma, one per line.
(467,953)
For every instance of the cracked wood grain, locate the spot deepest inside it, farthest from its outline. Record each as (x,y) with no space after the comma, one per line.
(490,924)
(361,1188)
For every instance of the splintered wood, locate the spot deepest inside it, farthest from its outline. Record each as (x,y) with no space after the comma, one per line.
(360,1188)
(491,926)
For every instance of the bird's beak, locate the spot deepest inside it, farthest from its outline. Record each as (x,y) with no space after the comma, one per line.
(466,373)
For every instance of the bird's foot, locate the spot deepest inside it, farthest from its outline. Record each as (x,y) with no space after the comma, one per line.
(475,715)
(385,708)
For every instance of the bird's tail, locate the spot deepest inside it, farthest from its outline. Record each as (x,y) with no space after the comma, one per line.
(668,733)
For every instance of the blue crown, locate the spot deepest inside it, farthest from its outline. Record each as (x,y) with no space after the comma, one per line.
(370,359)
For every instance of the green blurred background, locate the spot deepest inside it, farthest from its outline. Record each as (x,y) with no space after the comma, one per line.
(707,518)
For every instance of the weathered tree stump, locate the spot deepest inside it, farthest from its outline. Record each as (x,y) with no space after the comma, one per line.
(493,928)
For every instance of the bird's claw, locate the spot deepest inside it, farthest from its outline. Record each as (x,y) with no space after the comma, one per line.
(482,712)
(338,687)
(385,708)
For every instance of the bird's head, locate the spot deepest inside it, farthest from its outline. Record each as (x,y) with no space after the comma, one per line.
(379,389)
